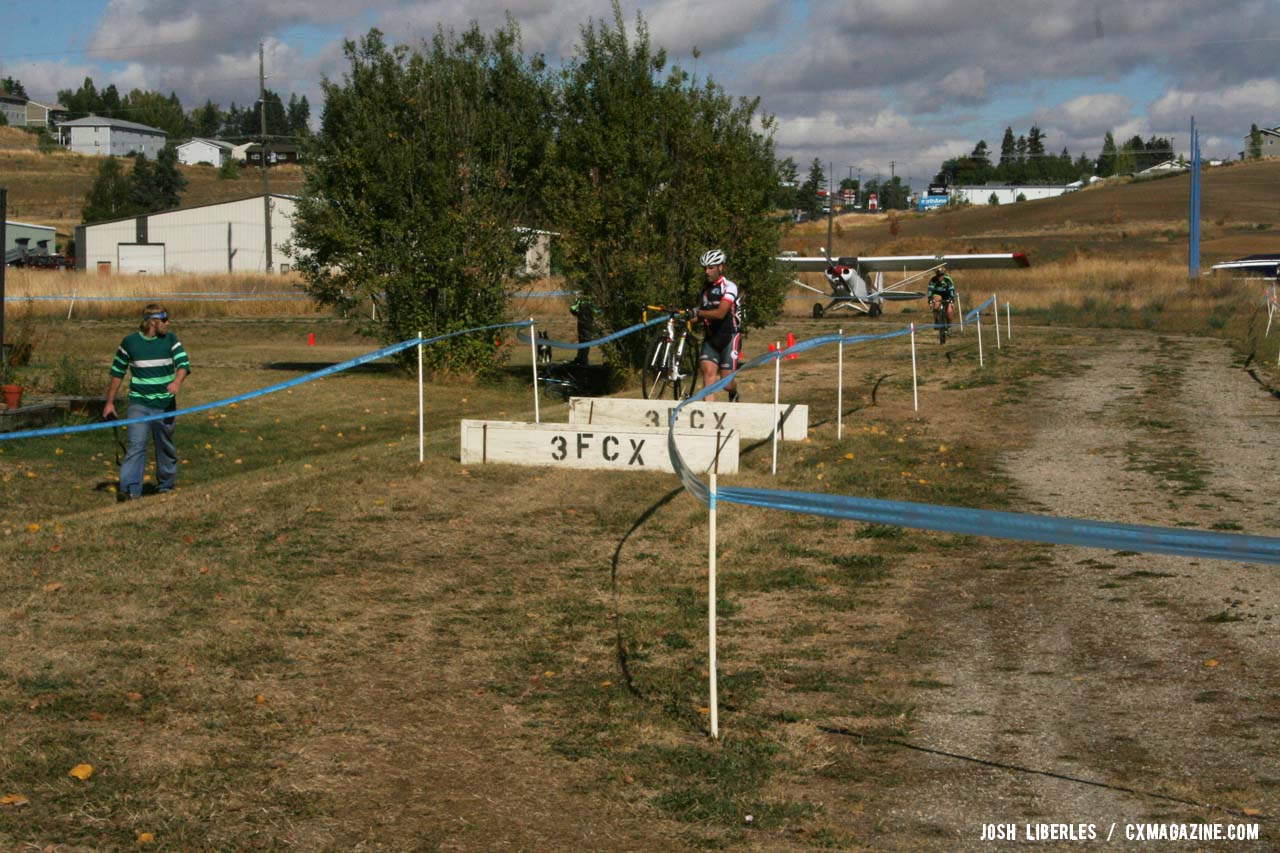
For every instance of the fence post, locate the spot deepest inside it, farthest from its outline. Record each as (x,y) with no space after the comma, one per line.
(915,393)
(777,380)
(422,431)
(840,388)
(533,356)
(978,318)
(713,701)
(995,312)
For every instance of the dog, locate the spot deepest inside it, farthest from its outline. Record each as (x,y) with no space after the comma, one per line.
(544,350)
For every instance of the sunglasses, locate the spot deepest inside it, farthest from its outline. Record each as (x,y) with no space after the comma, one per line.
(164,318)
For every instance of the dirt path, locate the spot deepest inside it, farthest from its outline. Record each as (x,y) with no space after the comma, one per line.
(1142,672)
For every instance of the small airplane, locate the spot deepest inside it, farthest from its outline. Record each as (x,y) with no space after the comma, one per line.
(846,276)
(1266,266)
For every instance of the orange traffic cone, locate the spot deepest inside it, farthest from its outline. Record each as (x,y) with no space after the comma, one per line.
(773,348)
(791,341)
(311,339)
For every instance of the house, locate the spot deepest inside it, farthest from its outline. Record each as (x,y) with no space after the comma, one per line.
(213,152)
(14,110)
(1270,143)
(111,136)
(278,153)
(238,153)
(227,236)
(44,115)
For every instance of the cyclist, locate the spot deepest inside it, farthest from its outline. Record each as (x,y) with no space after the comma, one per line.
(721,314)
(942,291)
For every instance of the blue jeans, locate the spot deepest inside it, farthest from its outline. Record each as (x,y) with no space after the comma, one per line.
(135,458)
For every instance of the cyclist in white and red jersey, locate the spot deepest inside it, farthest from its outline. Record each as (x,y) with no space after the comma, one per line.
(721,314)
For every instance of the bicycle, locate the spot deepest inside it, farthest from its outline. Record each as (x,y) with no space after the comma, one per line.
(671,359)
(941,321)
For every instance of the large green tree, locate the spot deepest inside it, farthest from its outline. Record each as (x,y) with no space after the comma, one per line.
(109,197)
(652,168)
(1253,150)
(425,164)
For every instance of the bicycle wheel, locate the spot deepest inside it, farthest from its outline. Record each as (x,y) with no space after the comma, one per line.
(655,372)
(940,321)
(688,370)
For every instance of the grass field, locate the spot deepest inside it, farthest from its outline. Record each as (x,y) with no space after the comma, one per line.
(318,643)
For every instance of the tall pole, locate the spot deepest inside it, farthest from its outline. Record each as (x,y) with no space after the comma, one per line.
(831,207)
(266,183)
(1193,229)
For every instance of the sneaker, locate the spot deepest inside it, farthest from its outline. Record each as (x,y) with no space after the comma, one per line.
(733,395)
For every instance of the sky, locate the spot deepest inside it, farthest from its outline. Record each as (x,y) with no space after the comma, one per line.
(870,87)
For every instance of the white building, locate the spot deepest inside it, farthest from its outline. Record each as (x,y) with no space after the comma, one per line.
(24,238)
(228,236)
(101,136)
(14,110)
(214,152)
(1007,193)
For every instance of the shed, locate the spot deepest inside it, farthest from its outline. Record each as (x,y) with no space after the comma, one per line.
(213,152)
(278,153)
(227,236)
(23,238)
(1008,193)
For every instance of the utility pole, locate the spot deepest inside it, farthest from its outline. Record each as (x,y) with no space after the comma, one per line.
(266,182)
(831,205)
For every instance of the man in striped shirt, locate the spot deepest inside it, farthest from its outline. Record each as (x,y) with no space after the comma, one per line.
(159,365)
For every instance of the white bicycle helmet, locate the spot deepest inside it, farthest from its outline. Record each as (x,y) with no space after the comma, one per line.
(712,258)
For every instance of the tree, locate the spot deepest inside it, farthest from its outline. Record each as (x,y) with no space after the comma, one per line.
(1008,152)
(277,119)
(993,199)
(1107,159)
(652,168)
(1253,151)
(1037,166)
(153,109)
(425,163)
(788,184)
(169,182)
(206,121)
(298,116)
(108,198)
(13,86)
(809,199)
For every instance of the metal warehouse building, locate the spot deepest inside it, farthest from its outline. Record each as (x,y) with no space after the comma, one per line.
(227,236)
(23,238)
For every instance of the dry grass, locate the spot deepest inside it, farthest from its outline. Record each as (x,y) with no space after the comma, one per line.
(50,294)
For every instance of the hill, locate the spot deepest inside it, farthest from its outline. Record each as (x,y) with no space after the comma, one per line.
(1124,219)
(49,188)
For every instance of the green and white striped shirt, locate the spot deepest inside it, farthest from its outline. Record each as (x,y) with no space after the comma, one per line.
(154,363)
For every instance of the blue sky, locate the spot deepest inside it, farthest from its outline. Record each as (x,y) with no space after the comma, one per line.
(859,83)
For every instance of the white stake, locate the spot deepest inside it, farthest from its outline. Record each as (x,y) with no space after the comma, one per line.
(77,290)
(714,701)
(960,310)
(1008,321)
(915,393)
(533,355)
(422,429)
(777,380)
(978,317)
(840,388)
(995,312)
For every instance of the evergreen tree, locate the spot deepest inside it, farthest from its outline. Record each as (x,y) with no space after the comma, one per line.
(1038,167)
(13,86)
(144,191)
(809,199)
(1253,150)
(1008,153)
(108,198)
(206,121)
(298,116)
(169,182)
(1107,159)
(788,184)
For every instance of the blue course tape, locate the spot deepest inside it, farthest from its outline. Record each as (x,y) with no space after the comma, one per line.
(629,330)
(978,522)
(272,389)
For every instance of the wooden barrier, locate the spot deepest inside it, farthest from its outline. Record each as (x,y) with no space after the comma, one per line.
(613,447)
(749,420)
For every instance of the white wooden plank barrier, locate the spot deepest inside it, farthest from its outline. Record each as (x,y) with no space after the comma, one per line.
(618,448)
(749,420)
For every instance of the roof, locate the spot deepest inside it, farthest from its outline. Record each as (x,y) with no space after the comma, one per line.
(285,196)
(99,121)
(29,225)
(216,143)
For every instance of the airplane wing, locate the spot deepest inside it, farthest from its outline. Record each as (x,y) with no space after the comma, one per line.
(924,262)
(890,263)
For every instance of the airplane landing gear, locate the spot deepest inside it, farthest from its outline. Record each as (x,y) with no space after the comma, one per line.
(817,311)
